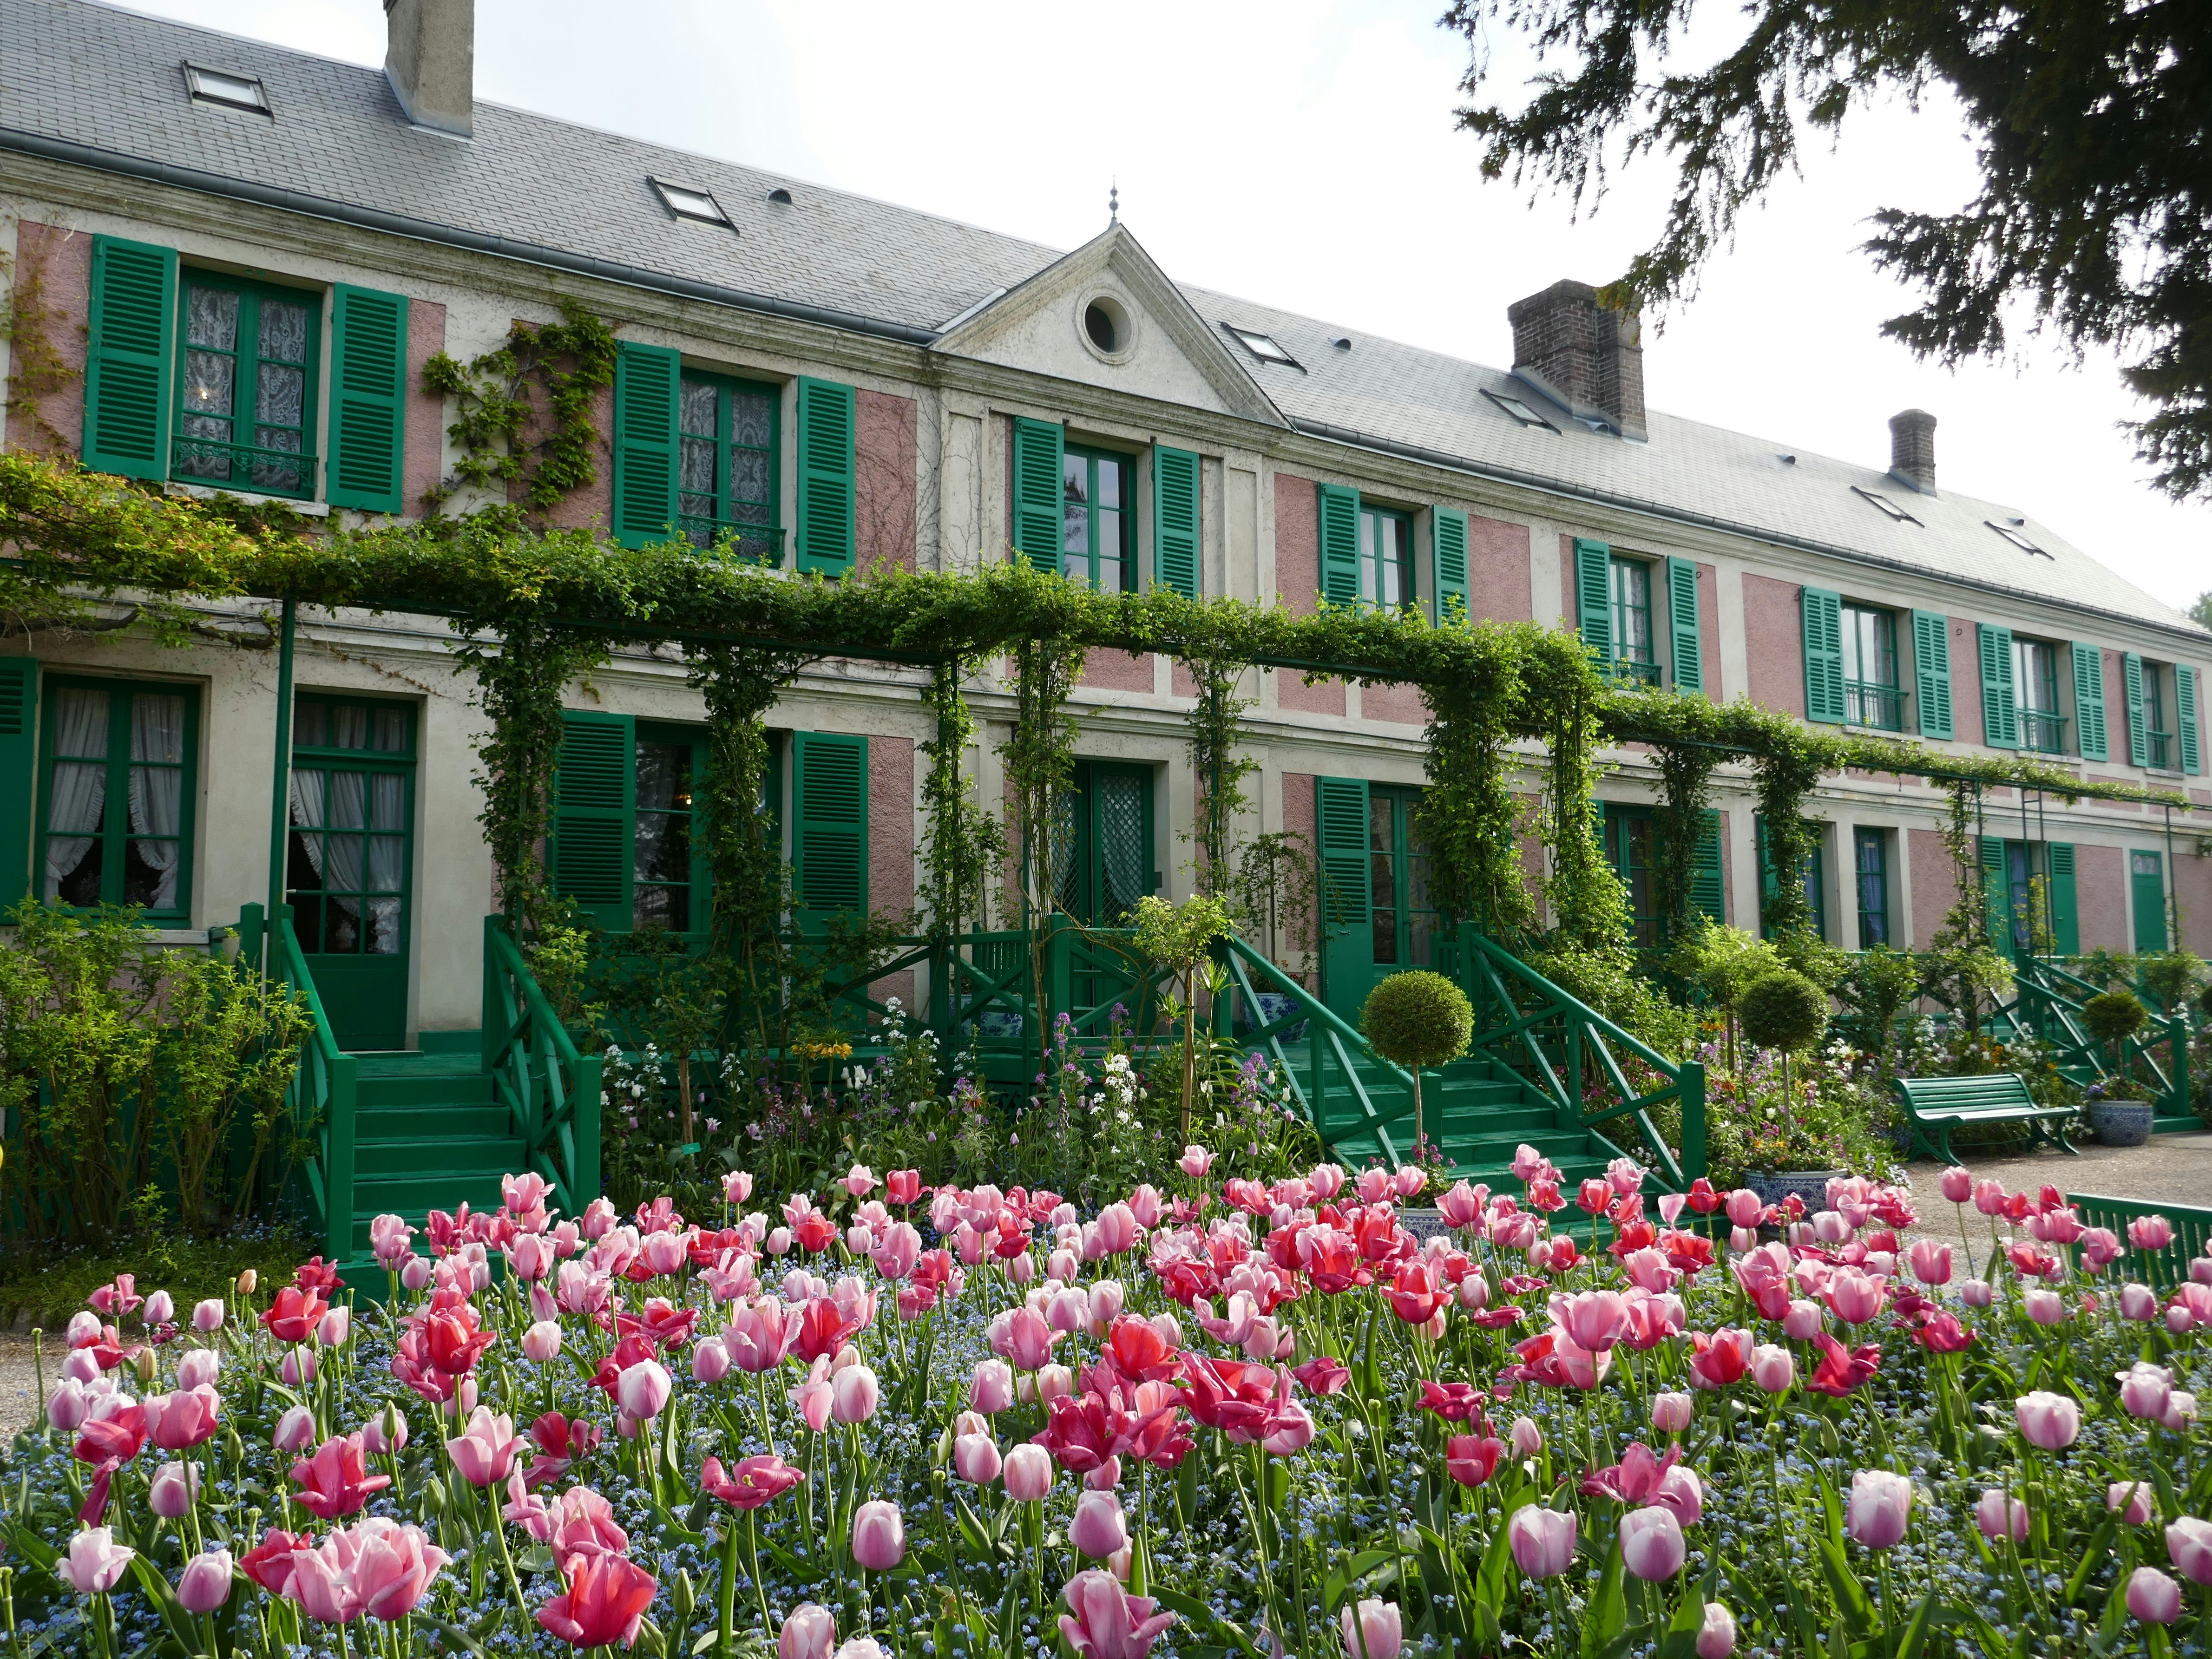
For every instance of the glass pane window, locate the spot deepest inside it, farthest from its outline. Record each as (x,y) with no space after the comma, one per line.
(1628,843)
(1382,876)
(2035,691)
(246,385)
(1098,521)
(116,787)
(2159,735)
(1871,693)
(1386,558)
(727,471)
(1633,644)
(1871,857)
(347,860)
(662,835)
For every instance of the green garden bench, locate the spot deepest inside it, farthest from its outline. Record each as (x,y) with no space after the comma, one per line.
(1935,1106)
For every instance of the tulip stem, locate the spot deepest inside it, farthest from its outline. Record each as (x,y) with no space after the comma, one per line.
(505,1557)
(752,1549)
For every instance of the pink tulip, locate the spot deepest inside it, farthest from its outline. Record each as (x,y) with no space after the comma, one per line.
(198,1368)
(809,1632)
(1990,1197)
(1458,1206)
(179,1421)
(1745,1207)
(991,1390)
(1593,1320)
(1104,1622)
(1651,1543)
(295,1431)
(813,1399)
(2153,1597)
(1803,1320)
(1929,1260)
(1999,1515)
(68,1406)
(1374,1630)
(205,1583)
(1673,1413)
(2138,1303)
(853,1394)
(1055,1382)
(665,1252)
(530,1257)
(1853,1296)
(2180,1410)
(1956,1183)
(172,1490)
(1773,1368)
(1543,1539)
(1195,1162)
(2150,1232)
(161,1307)
(975,1459)
(1880,1507)
(207,1316)
(95,1563)
(2130,1500)
(642,1389)
(2189,1547)
(541,1343)
(1716,1634)
(1099,1527)
(1118,1231)
(1976,1292)
(386,1433)
(485,1451)
(879,1535)
(2044,1307)
(2049,1421)
(860,1181)
(1830,1228)
(1292,1433)
(1027,1473)
(1528,1439)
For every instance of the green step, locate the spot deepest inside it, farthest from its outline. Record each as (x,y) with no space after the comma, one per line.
(433,1121)
(425,1087)
(493,1156)
(417,1193)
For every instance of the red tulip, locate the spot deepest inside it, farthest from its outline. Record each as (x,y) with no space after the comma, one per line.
(752,1482)
(1471,1458)
(293,1314)
(606,1597)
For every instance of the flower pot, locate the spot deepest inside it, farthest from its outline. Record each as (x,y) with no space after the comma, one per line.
(2121,1122)
(1274,1006)
(1811,1186)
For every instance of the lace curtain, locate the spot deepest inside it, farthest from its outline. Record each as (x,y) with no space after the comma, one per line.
(80,792)
(157,736)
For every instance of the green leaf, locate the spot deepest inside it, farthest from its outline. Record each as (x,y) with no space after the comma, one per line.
(1853,1606)
(1607,1616)
(1204,1618)
(2093,1555)
(1915,1635)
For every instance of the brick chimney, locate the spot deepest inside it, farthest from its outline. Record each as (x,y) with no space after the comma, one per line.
(430,61)
(1912,450)
(1586,357)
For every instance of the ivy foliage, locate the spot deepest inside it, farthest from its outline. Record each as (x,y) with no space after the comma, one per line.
(523,421)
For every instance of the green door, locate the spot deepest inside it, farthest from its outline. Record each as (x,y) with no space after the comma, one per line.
(1105,859)
(1382,920)
(347,869)
(2147,882)
(1628,835)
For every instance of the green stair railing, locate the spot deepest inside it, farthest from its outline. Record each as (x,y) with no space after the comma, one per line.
(322,1090)
(2192,1235)
(551,1090)
(1328,1047)
(1572,1056)
(2047,1004)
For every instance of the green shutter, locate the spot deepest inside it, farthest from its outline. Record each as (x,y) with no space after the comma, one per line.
(2185,698)
(2000,704)
(1340,544)
(130,349)
(1174,520)
(1931,672)
(2065,910)
(1824,655)
(2089,701)
(646,381)
(1040,493)
(2132,675)
(19,762)
(1707,875)
(829,421)
(1683,636)
(830,822)
(594,816)
(1594,598)
(368,405)
(1997,899)
(1340,818)
(1448,554)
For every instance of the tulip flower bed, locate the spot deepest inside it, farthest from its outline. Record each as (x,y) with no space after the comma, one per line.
(1225,1420)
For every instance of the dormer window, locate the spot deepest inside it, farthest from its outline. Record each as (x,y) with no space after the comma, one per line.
(1519,410)
(209,85)
(2016,538)
(686,203)
(1261,346)
(1886,506)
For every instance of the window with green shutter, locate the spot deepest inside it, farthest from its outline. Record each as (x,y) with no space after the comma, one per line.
(369,400)
(1932,673)
(2184,718)
(594,797)
(1870,874)
(1594,598)
(1871,694)
(669,870)
(2065,903)
(2041,726)
(2131,680)
(1630,836)
(1386,557)
(1338,514)
(19,786)
(1635,652)
(1175,520)
(727,467)
(1040,490)
(1685,642)
(1342,822)
(1823,627)
(1448,562)
(2089,701)
(2000,704)
(117,777)
(1709,873)
(246,362)
(1098,523)
(645,442)
(829,823)
(828,422)
(130,358)
(1814,877)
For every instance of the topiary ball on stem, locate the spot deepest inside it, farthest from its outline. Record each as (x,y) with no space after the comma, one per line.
(1787,1011)
(2112,1017)
(1416,1019)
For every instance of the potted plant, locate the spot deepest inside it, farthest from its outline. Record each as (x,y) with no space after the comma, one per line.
(2118,1111)
(1786,1012)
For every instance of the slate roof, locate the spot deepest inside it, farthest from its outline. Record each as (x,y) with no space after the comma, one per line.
(111,80)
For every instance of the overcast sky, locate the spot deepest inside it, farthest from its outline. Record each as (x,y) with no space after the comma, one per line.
(1302,153)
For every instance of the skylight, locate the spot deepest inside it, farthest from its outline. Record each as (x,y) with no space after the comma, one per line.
(1261,346)
(209,85)
(2017,539)
(1519,410)
(686,203)
(1890,509)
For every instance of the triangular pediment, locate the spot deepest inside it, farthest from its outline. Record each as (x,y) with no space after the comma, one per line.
(1162,348)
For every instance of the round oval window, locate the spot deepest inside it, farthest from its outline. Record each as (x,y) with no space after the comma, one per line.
(1098,324)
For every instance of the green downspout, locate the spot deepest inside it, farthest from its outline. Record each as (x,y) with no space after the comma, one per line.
(280,787)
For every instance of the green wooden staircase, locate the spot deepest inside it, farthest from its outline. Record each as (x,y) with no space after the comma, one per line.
(2047,1004)
(430,1134)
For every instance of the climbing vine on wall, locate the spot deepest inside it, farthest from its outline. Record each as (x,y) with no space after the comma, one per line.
(36,369)
(1040,761)
(1785,779)
(1685,774)
(1589,907)
(964,844)
(1468,818)
(546,377)
(1219,764)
